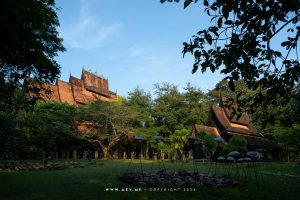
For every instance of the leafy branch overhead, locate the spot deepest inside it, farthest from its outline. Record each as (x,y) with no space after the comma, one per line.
(242,41)
(29,41)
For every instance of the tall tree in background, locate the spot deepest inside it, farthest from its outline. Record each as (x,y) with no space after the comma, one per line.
(197,105)
(168,110)
(174,110)
(141,102)
(241,43)
(29,41)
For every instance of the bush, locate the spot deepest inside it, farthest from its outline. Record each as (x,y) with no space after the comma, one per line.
(238,143)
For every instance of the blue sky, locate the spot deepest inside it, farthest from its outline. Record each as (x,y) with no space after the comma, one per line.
(132,43)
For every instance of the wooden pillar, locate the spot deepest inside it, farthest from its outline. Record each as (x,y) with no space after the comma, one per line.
(96,155)
(74,154)
(68,154)
(124,155)
(56,155)
(85,153)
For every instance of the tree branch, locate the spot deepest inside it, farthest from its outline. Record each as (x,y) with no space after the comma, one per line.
(283,26)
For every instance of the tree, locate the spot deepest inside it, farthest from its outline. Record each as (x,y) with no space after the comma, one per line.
(176,142)
(141,102)
(241,95)
(209,146)
(9,115)
(238,143)
(29,41)
(222,88)
(138,97)
(241,43)
(105,123)
(288,138)
(196,104)
(281,123)
(174,110)
(48,126)
(168,111)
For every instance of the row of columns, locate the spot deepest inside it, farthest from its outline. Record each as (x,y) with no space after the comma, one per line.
(67,154)
(85,155)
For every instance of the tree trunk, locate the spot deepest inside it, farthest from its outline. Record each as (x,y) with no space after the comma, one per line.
(96,155)
(105,152)
(85,153)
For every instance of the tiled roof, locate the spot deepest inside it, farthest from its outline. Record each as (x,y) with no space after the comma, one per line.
(246,128)
(213,131)
(224,124)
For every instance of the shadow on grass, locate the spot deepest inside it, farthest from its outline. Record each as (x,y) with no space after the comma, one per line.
(91,182)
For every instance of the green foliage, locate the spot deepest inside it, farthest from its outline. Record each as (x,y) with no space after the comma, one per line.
(141,102)
(288,137)
(226,149)
(119,100)
(138,97)
(174,110)
(209,144)
(238,143)
(106,122)
(241,44)
(241,94)
(11,107)
(281,123)
(201,135)
(29,41)
(48,126)
(174,143)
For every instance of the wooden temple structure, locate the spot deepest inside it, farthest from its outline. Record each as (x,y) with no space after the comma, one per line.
(225,121)
(75,92)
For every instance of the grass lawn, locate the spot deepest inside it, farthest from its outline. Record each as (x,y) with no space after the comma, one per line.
(281,181)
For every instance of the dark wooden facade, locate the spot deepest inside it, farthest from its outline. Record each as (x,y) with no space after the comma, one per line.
(77,91)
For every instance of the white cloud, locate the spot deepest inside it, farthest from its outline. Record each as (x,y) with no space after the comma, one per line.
(88,32)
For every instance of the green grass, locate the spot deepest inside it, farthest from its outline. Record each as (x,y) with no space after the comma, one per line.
(281,181)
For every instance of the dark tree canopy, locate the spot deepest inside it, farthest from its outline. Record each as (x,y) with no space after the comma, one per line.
(241,43)
(29,41)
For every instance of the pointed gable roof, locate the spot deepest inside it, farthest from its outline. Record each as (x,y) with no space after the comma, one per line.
(228,116)
(95,83)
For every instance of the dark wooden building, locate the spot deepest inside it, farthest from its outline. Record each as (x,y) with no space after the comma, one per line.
(225,121)
(75,92)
